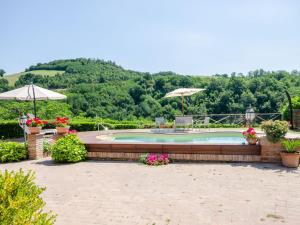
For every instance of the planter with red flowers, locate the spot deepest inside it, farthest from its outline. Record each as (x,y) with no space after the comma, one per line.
(251,136)
(62,125)
(35,125)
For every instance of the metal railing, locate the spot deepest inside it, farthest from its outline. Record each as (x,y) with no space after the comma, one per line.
(233,119)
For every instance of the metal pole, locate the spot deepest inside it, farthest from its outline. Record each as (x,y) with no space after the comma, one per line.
(34,101)
(182,102)
(290,109)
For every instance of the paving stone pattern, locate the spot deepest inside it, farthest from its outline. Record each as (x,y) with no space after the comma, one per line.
(129,193)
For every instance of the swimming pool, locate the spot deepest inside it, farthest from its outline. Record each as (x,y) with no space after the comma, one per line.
(199,138)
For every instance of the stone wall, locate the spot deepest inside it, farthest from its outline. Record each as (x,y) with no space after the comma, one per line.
(177,157)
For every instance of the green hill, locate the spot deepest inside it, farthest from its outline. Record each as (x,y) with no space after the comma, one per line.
(12,78)
(97,88)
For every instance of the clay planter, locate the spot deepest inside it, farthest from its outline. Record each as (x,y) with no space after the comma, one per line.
(35,130)
(252,141)
(290,159)
(62,130)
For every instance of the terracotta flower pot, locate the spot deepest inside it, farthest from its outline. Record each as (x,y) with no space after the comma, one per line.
(35,130)
(62,130)
(290,159)
(252,141)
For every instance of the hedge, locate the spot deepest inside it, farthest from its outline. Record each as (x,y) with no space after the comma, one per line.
(10,129)
(12,151)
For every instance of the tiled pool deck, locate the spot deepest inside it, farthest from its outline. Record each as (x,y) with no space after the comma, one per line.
(128,193)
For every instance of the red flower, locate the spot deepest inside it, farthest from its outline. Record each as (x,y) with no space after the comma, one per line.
(61,121)
(72,131)
(28,122)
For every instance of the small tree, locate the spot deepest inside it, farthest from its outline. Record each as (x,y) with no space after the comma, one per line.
(2,72)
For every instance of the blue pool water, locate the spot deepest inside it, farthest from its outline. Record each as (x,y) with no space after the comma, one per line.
(201,138)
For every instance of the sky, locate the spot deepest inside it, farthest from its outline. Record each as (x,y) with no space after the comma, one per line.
(192,37)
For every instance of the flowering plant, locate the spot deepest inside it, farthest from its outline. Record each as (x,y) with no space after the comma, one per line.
(154,159)
(250,133)
(275,130)
(36,122)
(61,121)
(72,132)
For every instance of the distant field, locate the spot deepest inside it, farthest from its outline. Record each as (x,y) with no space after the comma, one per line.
(14,77)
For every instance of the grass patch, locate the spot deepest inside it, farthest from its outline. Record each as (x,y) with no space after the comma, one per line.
(12,78)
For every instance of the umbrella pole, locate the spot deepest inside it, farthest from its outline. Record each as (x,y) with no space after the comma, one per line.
(34,101)
(182,102)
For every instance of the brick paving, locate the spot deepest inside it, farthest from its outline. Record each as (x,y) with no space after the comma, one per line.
(128,193)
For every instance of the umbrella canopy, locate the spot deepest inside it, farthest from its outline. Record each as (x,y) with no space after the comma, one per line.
(31,93)
(183,92)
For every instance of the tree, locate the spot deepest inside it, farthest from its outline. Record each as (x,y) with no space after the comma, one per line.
(2,72)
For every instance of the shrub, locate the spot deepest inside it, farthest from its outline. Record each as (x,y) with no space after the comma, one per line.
(275,130)
(10,129)
(84,126)
(68,149)
(12,151)
(20,201)
(126,126)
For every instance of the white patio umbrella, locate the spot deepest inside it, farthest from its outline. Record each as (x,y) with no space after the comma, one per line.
(31,93)
(183,92)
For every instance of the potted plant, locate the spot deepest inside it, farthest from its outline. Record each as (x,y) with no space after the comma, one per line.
(62,125)
(250,135)
(290,157)
(275,130)
(35,125)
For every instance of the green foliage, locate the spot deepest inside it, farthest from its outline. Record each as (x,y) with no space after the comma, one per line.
(69,149)
(291,145)
(126,126)
(275,130)
(10,129)
(97,88)
(295,105)
(12,151)
(20,201)
(143,158)
(47,147)
(10,110)
(2,72)
(12,78)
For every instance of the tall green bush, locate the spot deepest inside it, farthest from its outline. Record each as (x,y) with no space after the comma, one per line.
(12,151)
(69,149)
(20,201)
